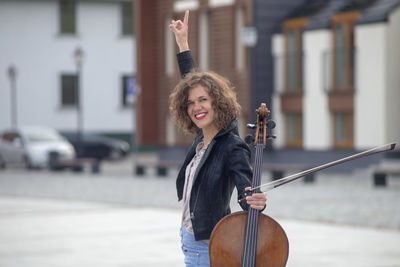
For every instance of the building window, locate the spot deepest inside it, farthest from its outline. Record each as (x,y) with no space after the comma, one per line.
(339,56)
(127,18)
(219,3)
(291,61)
(343,129)
(240,49)
(294,54)
(343,51)
(67,13)
(294,130)
(342,78)
(183,5)
(128,91)
(293,81)
(171,132)
(169,49)
(204,41)
(69,90)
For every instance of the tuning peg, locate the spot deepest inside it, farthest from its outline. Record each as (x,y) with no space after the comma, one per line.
(251,126)
(249,139)
(271,124)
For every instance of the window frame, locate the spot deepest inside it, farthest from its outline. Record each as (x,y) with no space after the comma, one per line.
(127,20)
(205,40)
(296,26)
(63,9)
(74,91)
(124,96)
(347,20)
(347,130)
(240,48)
(297,141)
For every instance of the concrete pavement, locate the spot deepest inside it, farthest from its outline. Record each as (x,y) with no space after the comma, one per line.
(116,219)
(63,233)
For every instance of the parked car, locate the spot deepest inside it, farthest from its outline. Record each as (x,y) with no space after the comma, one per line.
(30,146)
(97,146)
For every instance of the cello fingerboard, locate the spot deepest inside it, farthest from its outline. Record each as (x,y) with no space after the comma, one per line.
(250,242)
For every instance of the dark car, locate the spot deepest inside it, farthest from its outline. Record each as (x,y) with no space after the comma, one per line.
(97,146)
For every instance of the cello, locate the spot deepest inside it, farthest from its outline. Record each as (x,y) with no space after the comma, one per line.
(250,238)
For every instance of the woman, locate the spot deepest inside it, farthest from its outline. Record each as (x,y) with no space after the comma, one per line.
(217,161)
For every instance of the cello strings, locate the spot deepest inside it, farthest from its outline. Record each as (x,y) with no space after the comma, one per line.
(254,212)
(250,246)
(249,251)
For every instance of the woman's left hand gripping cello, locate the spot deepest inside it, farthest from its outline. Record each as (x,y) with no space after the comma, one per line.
(250,238)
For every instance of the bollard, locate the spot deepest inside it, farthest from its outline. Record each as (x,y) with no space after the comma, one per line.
(96,166)
(380,179)
(276,175)
(53,161)
(309,178)
(77,168)
(162,171)
(139,170)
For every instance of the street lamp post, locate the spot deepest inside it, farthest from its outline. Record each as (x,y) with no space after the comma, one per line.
(78,57)
(12,74)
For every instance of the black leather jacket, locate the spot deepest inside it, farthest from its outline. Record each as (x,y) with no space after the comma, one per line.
(224,166)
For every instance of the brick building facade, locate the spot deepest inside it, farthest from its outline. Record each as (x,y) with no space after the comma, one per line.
(214,39)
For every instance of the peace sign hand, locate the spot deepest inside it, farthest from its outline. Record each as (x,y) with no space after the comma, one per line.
(180,29)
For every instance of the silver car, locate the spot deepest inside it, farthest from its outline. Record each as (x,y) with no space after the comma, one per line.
(30,146)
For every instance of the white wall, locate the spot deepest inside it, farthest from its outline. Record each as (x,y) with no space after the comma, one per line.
(371,85)
(393,78)
(317,128)
(30,40)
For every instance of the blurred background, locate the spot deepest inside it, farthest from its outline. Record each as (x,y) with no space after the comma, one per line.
(84,91)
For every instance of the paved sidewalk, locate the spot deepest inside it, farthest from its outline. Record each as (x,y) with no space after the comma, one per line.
(64,219)
(58,233)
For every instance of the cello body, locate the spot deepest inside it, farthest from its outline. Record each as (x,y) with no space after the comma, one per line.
(227,242)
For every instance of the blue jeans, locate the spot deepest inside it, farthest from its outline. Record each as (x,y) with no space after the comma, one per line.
(195,252)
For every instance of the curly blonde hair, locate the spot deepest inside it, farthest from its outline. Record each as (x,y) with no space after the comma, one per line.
(221,91)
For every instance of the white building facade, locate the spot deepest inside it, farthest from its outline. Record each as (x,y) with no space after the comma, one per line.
(378,79)
(372,104)
(38,42)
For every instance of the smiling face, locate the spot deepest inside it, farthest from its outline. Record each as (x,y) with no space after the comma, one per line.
(200,109)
